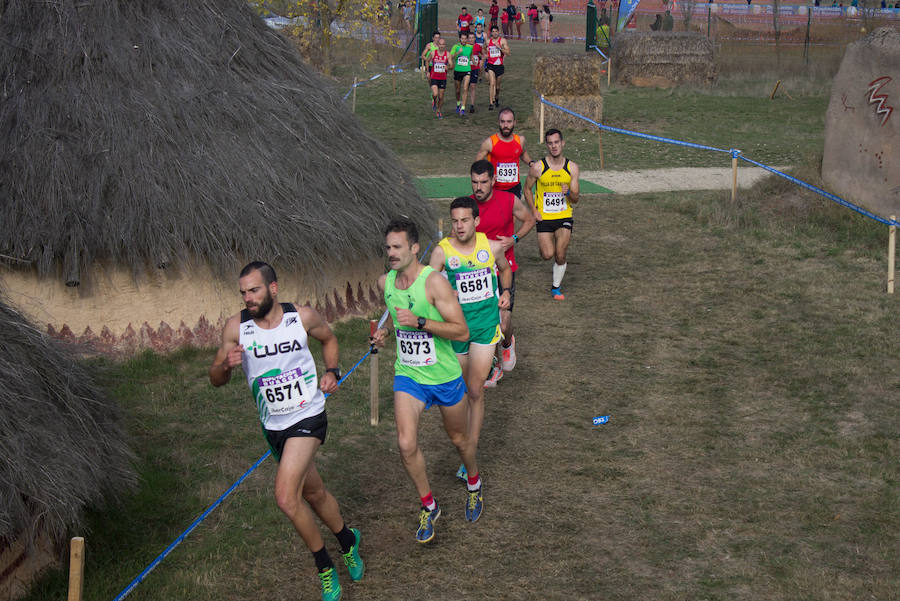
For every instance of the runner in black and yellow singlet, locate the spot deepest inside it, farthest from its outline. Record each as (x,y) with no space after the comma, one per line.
(556,180)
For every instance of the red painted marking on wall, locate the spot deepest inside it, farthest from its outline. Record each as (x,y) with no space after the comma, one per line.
(880,99)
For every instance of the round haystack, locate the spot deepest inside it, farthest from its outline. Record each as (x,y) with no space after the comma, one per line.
(62,449)
(150,149)
(861,161)
(663,59)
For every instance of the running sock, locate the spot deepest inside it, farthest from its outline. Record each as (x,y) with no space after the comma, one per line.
(323,560)
(346,539)
(473,483)
(428,502)
(558,272)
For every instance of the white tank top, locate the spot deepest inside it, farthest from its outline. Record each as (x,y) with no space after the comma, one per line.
(280,370)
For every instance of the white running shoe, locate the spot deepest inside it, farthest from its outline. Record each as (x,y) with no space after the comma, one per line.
(508,355)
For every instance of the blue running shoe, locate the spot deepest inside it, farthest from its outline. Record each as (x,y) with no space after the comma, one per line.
(462,474)
(474,504)
(557,294)
(331,588)
(426,523)
(352,560)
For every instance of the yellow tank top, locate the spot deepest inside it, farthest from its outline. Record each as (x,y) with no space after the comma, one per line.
(549,198)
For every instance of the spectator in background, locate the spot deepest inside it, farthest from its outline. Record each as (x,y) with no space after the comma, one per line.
(668,22)
(504,21)
(479,18)
(520,20)
(657,25)
(604,18)
(407,12)
(511,12)
(546,19)
(533,21)
(494,11)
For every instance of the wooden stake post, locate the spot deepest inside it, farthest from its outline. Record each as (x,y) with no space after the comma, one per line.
(892,247)
(373,377)
(733,178)
(76,569)
(353,105)
(600,145)
(541,130)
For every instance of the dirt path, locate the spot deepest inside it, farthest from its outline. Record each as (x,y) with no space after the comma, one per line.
(678,178)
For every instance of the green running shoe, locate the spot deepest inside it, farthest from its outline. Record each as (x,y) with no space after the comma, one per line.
(426,523)
(461,472)
(352,560)
(331,588)
(474,504)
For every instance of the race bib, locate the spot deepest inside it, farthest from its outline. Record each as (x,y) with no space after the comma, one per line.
(440,67)
(508,173)
(554,202)
(474,286)
(494,51)
(462,60)
(286,392)
(415,348)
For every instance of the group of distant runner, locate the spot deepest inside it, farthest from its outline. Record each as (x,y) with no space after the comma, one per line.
(452,321)
(465,60)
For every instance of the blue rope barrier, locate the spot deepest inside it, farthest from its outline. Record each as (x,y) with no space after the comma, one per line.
(828,195)
(600,52)
(636,134)
(131,586)
(734,154)
(391,69)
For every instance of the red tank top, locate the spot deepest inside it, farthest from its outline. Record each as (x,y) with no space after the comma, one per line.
(494,54)
(439,65)
(505,158)
(496,219)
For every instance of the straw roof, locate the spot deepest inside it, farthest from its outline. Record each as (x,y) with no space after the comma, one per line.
(62,447)
(165,133)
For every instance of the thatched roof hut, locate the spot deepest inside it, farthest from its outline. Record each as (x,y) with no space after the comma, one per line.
(62,448)
(148,147)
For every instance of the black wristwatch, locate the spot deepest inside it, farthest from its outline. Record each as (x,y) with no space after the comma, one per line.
(336,371)
(420,323)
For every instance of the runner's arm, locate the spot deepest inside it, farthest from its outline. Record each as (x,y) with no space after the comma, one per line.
(525,214)
(230,354)
(528,192)
(484,149)
(318,328)
(504,274)
(437,259)
(574,191)
(525,156)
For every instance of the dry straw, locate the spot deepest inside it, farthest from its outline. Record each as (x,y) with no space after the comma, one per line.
(62,448)
(676,57)
(169,132)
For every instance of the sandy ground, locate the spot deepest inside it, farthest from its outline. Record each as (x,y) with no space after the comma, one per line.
(679,178)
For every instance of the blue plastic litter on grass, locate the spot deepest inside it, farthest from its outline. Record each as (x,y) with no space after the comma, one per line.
(601,419)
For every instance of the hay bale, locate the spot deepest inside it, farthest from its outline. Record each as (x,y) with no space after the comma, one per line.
(589,105)
(862,127)
(675,57)
(568,74)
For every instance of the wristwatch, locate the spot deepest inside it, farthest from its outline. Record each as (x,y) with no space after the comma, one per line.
(515,239)
(420,323)
(336,371)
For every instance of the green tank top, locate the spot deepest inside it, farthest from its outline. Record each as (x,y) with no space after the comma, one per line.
(425,358)
(463,60)
(473,278)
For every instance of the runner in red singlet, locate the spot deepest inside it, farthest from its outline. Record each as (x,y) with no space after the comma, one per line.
(498,210)
(504,151)
(497,49)
(439,63)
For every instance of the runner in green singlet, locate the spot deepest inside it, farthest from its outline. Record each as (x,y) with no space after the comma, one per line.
(426,317)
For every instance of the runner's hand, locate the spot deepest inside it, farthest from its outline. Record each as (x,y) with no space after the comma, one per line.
(506,241)
(328,384)
(378,338)
(503,303)
(537,215)
(407,318)
(234,357)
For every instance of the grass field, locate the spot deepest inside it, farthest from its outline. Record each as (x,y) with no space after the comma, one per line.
(744,351)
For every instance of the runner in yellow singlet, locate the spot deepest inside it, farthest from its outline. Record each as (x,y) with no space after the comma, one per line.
(556,180)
